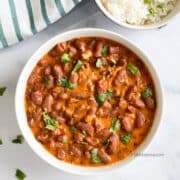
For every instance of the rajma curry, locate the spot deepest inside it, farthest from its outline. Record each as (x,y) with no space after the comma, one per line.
(90,101)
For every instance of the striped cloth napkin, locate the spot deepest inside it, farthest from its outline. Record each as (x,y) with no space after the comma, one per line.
(20,19)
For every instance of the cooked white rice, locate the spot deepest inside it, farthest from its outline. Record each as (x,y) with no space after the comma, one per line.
(139,12)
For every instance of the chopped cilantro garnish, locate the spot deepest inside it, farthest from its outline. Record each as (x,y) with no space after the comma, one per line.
(94,156)
(116,125)
(20,175)
(51,124)
(66,83)
(19,139)
(2,90)
(101,97)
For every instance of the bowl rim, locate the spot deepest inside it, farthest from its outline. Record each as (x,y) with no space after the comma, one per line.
(160,24)
(20,108)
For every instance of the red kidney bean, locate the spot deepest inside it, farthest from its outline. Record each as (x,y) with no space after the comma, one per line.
(78,137)
(31,122)
(102,86)
(61,47)
(80,44)
(137,102)
(114,49)
(102,112)
(85,127)
(72,51)
(57,132)
(92,110)
(87,154)
(122,61)
(43,136)
(104,156)
(58,117)
(63,96)
(92,141)
(140,119)
(98,126)
(47,70)
(37,97)
(106,105)
(62,138)
(87,54)
(150,102)
(58,49)
(58,72)
(98,49)
(104,133)
(81,96)
(52,143)
(48,102)
(75,151)
(91,44)
(113,144)
(123,104)
(127,124)
(32,79)
(57,106)
(74,78)
(61,154)
(131,109)
(121,77)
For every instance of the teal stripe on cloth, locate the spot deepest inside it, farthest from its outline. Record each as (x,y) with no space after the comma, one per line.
(15,20)
(44,12)
(60,8)
(2,37)
(31,18)
(75,1)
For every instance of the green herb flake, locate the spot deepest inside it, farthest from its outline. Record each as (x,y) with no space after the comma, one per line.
(20,175)
(77,66)
(101,97)
(73,129)
(126,138)
(84,143)
(116,125)
(94,156)
(19,139)
(105,50)
(84,132)
(99,63)
(147,93)
(64,139)
(2,90)
(1,142)
(113,61)
(151,11)
(105,142)
(65,58)
(160,27)
(63,82)
(161,6)
(51,124)
(47,80)
(147,1)
(132,68)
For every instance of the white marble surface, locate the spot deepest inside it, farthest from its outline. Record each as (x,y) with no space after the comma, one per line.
(163,45)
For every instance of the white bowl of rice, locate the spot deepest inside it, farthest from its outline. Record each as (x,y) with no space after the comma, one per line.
(140,14)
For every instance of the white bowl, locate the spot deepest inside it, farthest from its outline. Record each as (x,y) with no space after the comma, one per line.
(163,22)
(20,94)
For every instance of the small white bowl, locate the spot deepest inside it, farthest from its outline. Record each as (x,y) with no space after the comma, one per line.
(20,95)
(163,22)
